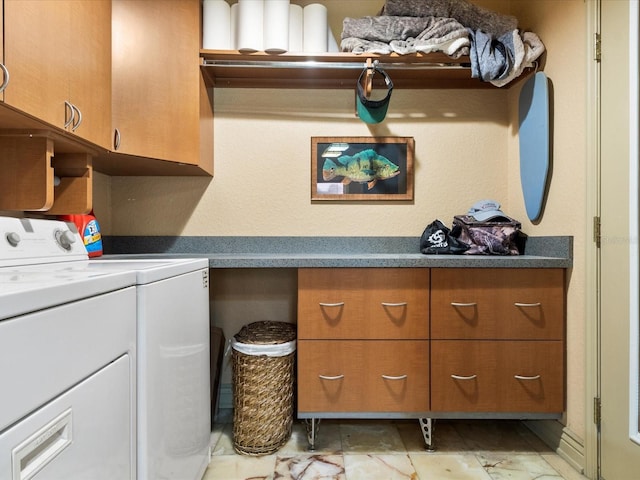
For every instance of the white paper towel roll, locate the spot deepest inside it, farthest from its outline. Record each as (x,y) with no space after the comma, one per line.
(250,25)
(234,26)
(315,28)
(295,28)
(276,26)
(332,43)
(216,25)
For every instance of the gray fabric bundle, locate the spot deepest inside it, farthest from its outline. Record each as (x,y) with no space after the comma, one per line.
(501,60)
(404,35)
(469,15)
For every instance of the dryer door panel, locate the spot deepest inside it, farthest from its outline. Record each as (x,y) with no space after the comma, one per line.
(84,433)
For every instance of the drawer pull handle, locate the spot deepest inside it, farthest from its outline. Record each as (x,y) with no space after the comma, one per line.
(5,71)
(524,377)
(391,377)
(525,305)
(401,304)
(458,304)
(326,377)
(464,377)
(339,304)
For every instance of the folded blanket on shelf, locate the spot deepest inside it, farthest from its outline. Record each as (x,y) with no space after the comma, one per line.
(500,60)
(468,14)
(404,35)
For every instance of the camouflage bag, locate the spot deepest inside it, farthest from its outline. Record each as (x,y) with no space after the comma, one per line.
(488,237)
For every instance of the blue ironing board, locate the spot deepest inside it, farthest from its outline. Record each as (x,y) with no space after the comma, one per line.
(535,149)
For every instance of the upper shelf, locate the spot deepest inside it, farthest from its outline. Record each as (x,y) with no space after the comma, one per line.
(230,68)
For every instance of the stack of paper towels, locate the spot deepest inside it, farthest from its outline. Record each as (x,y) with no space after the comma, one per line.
(273,26)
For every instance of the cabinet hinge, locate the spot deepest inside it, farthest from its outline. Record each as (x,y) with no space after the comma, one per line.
(596,231)
(597,47)
(597,411)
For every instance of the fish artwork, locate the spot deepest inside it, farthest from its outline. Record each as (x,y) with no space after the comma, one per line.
(366,166)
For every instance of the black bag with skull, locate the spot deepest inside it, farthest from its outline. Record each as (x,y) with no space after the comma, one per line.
(437,239)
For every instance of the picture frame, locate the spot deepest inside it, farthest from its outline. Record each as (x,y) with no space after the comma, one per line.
(362,168)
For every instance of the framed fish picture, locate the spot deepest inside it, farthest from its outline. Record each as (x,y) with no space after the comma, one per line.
(362,168)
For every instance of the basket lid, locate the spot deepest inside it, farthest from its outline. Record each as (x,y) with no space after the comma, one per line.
(266,332)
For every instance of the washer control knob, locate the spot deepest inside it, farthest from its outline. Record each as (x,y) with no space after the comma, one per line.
(65,238)
(13,238)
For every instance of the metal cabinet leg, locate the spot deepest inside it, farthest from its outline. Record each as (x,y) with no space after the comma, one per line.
(312,425)
(427,426)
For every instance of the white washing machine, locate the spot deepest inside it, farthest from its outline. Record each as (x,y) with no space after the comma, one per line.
(67,360)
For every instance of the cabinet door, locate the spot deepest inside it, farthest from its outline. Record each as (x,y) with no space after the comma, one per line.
(90,69)
(363,303)
(497,303)
(497,376)
(36,37)
(58,55)
(3,73)
(363,376)
(156,79)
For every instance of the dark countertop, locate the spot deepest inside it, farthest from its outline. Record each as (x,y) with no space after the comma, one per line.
(303,252)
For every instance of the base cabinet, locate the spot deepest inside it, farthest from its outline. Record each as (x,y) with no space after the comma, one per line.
(497,376)
(430,343)
(363,376)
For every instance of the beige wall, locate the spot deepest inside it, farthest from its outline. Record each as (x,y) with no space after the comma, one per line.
(466,149)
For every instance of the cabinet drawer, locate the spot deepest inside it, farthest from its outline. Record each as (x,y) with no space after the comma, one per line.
(363,376)
(497,303)
(497,376)
(363,303)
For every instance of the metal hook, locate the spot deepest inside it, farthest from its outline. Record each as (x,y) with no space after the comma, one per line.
(368,80)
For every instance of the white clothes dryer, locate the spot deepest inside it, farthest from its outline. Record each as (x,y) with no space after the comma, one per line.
(173,368)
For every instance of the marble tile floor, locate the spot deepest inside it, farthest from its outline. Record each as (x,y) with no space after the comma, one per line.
(394,450)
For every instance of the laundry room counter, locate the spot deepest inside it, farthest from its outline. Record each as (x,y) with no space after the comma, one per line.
(319,252)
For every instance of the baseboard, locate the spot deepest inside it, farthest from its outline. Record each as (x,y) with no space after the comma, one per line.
(565,443)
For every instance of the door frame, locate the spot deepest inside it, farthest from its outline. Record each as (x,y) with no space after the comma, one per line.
(594,196)
(592,260)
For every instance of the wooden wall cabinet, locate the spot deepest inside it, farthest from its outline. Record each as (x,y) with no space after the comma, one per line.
(161,107)
(58,58)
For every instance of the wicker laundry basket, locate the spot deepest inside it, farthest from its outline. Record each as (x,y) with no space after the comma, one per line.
(263,372)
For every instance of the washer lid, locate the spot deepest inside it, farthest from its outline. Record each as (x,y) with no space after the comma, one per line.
(36,287)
